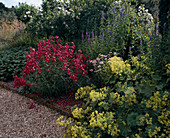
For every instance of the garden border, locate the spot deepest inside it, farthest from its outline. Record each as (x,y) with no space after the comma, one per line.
(39,100)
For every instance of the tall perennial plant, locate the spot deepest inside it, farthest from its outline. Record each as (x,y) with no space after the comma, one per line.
(52,67)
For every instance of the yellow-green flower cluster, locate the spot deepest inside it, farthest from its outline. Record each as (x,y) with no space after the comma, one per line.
(138,64)
(74,131)
(139,68)
(95,95)
(130,90)
(163,118)
(88,109)
(60,122)
(77,113)
(105,111)
(156,102)
(101,120)
(165,121)
(83,91)
(63,123)
(98,120)
(79,131)
(118,66)
(116,97)
(146,119)
(130,97)
(168,68)
(153,133)
(113,130)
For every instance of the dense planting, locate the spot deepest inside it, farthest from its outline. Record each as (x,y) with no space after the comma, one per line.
(125,108)
(117,65)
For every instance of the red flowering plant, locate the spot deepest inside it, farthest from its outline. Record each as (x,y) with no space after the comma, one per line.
(53,68)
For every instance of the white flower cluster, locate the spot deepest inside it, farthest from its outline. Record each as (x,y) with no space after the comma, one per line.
(118,2)
(28,14)
(144,12)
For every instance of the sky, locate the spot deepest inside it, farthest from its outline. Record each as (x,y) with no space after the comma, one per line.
(10,3)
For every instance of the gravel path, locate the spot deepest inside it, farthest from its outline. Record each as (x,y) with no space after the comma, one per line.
(18,121)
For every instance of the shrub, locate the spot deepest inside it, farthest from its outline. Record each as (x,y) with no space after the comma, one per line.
(123,109)
(11,62)
(25,12)
(2,8)
(52,69)
(69,19)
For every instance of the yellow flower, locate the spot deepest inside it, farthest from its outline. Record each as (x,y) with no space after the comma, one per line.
(77,113)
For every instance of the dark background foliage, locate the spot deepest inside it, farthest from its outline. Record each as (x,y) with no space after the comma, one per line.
(12,61)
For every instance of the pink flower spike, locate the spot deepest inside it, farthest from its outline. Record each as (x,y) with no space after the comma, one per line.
(52,37)
(79,51)
(47,69)
(56,37)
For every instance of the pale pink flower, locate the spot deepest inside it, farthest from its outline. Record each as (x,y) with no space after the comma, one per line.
(101,62)
(91,70)
(97,58)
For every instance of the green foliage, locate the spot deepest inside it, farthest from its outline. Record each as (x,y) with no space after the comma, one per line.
(164,11)
(127,108)
(124,30)
(24,39)
(2,8)
(11,62)
(8,15)
(68,19)
(25,12)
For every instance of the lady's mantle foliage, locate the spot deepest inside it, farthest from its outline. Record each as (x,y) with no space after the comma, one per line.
(124,108)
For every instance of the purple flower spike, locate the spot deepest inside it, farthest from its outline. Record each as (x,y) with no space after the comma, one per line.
(86,33)
(82,36)
(110,33)
(121,14)
(88,38)
(135,34)
(108,14)
(91,43)
(159,30)
(122,8)
(130,49)
(150,37)
(113,10)
(141,41)
(92,34)
(165,28)
(103,35)
(96,35)
(102,12)
(153,45)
